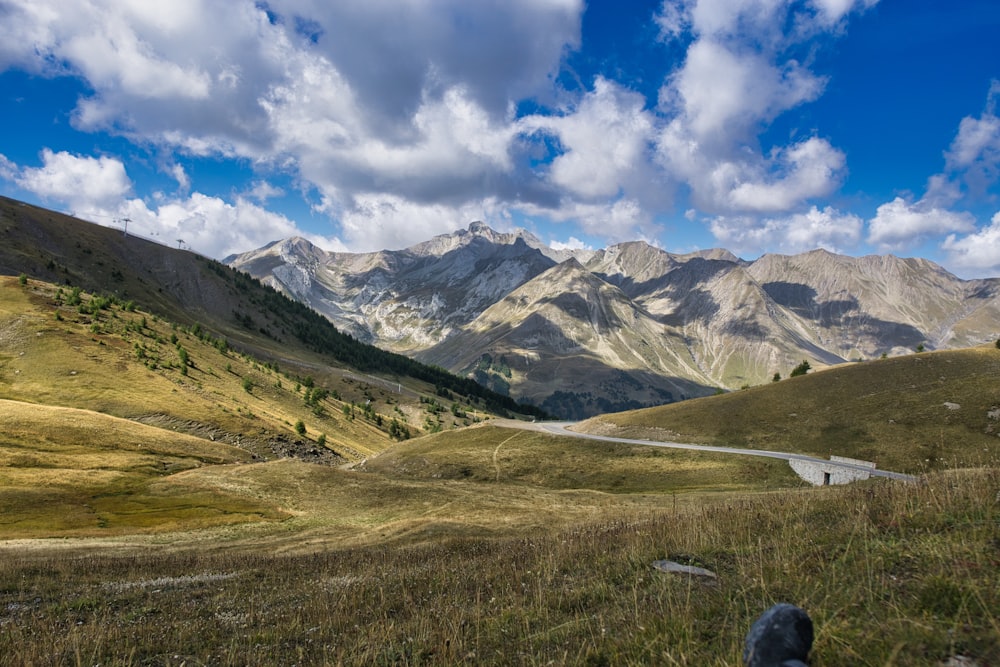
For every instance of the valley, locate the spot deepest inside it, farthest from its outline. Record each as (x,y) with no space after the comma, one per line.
(586,332)
(178,486)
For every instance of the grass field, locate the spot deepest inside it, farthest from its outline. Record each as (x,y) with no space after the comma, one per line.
(188,521)
(489,455)
(891,574)
(917,413)
(73,472)
(131,364)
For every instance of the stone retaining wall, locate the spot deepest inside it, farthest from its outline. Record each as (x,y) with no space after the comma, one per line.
(824,474)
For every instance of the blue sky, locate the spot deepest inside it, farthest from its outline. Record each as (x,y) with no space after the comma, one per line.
(860,126)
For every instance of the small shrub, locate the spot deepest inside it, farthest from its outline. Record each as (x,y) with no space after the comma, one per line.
(247,385)
(801,369)
(300,427)
(23,279)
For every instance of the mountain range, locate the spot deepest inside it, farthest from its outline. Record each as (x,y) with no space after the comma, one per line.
(581,332)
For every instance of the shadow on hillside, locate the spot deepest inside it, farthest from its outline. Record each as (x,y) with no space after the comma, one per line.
(679,277)
(843,313)
(602,389)
(560,375)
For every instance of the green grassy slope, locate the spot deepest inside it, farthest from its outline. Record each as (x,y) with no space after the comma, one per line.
(915,413)
(189,289)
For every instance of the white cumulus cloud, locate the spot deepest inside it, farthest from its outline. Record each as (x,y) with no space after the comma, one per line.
(812,168)
(827,228)
(901,224)
(975,152)
(738,75)
(404,116)
(99,189)
(82,181)
(606,141)
(977,253)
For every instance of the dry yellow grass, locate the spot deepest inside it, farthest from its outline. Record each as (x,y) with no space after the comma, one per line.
(488,455)
(125,364)
(921,412)
(453,548)
(77,472)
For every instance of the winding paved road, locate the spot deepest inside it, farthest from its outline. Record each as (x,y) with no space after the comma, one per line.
(563,429)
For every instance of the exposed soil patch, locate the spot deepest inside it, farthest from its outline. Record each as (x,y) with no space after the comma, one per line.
(264,447)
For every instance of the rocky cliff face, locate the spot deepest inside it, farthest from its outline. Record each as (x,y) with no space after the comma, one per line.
(630,325)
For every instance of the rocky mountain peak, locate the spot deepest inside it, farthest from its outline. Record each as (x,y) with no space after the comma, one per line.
(630,324)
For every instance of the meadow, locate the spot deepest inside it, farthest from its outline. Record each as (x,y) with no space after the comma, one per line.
(892,574)
(209,507)
(917,413)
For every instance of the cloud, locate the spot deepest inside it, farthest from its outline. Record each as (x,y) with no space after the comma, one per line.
(179,175)
(737,77)
(405,117)
(812,168)
(975,151)
(379,221)
(972,167)
(977,253)
(572,243)
(498,51)
(673,19)
(901,224)
(183,74)
(98,189)
(724,94)
(262,191)
(615,221)
(832,12)
(211,225)
(605,142)
(79,180)
(8,170)
(816,228)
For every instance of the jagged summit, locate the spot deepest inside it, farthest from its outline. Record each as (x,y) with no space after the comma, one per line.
(630,324)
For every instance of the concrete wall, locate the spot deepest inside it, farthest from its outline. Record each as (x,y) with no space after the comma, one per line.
(822,473)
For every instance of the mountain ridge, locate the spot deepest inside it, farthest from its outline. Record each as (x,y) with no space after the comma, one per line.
(195,291)
(723,322)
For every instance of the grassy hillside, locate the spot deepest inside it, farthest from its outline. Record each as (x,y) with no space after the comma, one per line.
(190,290)
(891,574)
(491,456)
(72,349)
(74,472)
(240,500)
(922,412)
